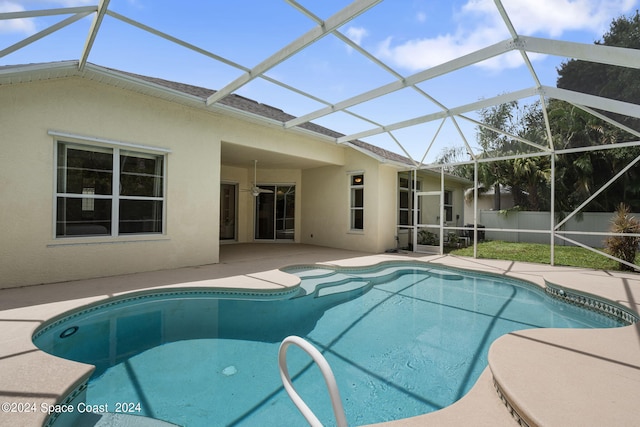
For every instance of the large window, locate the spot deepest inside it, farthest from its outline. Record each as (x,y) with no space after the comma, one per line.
(357,201)
(108,191)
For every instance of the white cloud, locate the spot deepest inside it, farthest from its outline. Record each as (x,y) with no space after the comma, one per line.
(478,24)
(21,26)
(423,53)
(554,17)
(357,34)
(27,26)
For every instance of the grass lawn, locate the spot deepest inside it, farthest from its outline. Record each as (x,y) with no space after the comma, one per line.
(534,252)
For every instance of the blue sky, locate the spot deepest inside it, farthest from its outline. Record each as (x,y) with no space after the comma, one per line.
(407,35)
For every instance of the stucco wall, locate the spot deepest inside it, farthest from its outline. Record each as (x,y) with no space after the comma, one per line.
(387,190)
(29,253)
(326,203)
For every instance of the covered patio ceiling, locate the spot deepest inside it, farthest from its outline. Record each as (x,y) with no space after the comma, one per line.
(242,156)
(364,91)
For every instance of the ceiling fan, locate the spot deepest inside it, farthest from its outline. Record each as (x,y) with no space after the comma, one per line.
(255,190)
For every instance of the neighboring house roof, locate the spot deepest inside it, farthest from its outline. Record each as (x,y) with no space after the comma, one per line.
(186,93)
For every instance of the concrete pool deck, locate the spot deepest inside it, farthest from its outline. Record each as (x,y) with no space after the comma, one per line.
(542,377)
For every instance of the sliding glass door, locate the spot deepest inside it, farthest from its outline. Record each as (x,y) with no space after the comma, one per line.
(275,213)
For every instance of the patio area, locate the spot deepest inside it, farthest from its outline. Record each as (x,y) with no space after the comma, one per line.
(539,377)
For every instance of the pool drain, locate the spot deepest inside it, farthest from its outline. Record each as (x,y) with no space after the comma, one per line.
(229,371)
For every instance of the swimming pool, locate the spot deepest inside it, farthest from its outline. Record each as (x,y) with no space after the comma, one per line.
(402,339)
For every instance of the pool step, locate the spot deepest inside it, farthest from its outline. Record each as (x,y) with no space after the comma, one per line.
(345,285)
(332,283)
(326,281)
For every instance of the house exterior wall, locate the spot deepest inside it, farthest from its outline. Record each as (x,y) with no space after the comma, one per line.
(387,208)
(99,114)
(29,251)
(326,205)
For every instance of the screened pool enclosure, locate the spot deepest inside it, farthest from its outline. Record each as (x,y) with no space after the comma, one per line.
(346,66)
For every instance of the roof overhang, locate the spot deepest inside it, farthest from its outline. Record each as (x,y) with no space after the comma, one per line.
(20,74)
(66,69)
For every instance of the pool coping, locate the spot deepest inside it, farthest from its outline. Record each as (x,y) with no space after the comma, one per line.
(522,389)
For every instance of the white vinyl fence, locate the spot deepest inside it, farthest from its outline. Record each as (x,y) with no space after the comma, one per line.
(590,222)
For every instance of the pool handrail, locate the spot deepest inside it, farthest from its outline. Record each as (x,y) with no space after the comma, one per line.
(327,373)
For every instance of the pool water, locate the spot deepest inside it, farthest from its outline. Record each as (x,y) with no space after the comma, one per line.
(401,341)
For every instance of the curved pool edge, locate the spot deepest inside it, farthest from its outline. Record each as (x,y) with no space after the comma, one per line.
(532,375)
(33,381)
(217,292)
(28,369)
(569,377)
(480,407)
(600,368)
(537,373)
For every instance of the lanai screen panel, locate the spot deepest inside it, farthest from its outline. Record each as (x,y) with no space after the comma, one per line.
(386,70)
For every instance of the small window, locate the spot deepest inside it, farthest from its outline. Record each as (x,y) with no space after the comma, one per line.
(108,191)
(357,202)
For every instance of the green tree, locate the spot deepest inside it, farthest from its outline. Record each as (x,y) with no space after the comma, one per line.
(580,174)
(526,178)
(609,81)
(532,176)
(495,144)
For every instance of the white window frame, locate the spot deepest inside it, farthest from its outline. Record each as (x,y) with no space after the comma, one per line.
(352,203)
(410,191)
(116,148)
(449,205)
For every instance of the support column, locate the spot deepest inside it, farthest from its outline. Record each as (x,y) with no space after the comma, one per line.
(475,209)
(553,210)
